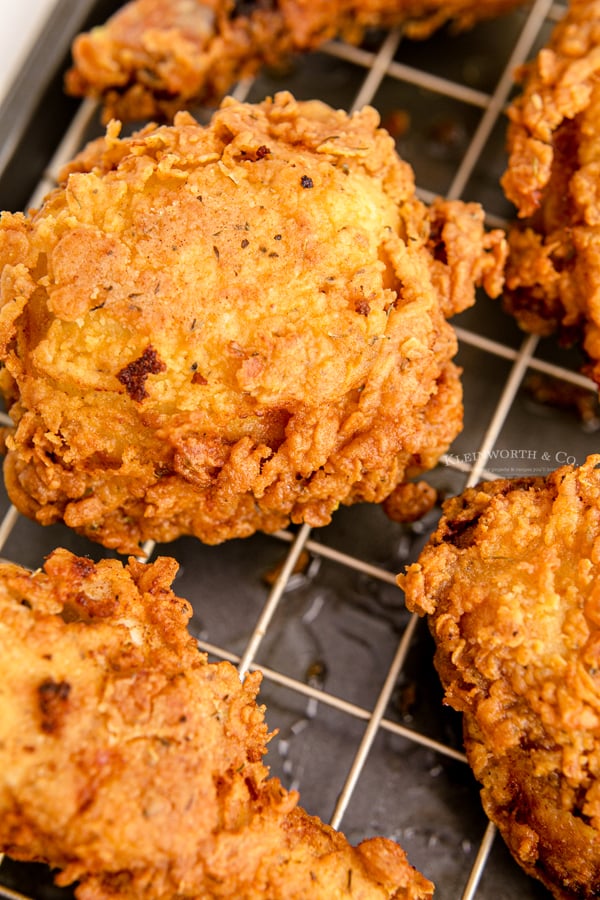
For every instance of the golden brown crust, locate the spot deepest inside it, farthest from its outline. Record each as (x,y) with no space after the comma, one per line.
(553,272)
(154,57)
(215,330)
(410,501)
(135,767)
(510,583)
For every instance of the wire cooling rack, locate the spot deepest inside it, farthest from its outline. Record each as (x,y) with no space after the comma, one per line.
(348,677)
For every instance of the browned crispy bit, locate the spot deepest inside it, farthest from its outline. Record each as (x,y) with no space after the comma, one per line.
(409,502)
(133,375)
(53,699)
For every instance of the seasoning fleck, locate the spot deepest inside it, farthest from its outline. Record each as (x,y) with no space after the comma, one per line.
(306,181)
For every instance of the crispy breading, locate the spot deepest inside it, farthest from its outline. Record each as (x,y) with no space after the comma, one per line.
(553,272)
(135,766)
(154,57)
(216,330)
(410,501)
(511,584)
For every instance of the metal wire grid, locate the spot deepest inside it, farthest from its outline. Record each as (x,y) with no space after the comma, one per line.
(375,66)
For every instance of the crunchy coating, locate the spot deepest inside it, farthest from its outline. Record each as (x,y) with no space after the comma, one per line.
(410,501)
(154,57)
(215,330)
(135,767)
(553,272)
(510,582)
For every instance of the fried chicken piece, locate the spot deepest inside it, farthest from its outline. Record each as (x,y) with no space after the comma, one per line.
(154,57)
(211,331)
(553,272)
(135,767)
(511,584)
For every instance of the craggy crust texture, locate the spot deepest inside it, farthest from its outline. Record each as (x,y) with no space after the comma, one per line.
(215,330)
(135,767)
(154,57)
(553,178)
(511,584)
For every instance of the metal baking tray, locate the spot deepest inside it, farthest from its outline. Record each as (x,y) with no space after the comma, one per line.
(348,675)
